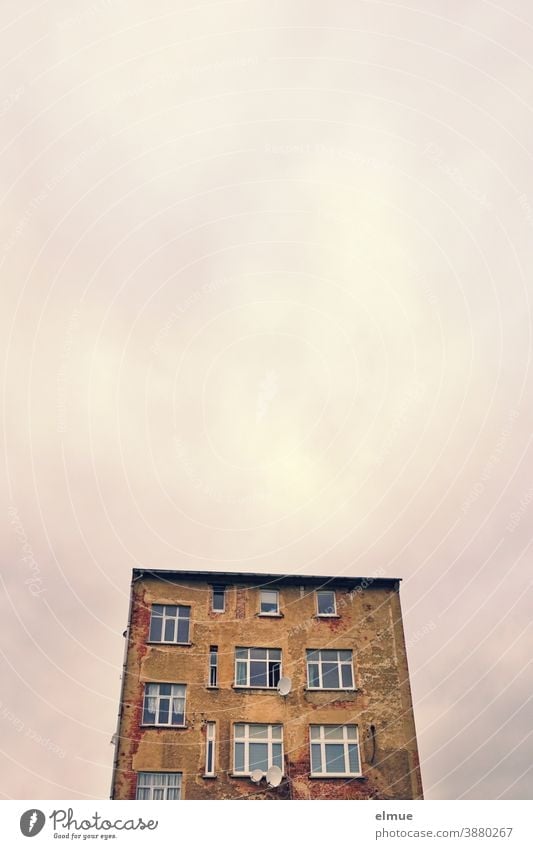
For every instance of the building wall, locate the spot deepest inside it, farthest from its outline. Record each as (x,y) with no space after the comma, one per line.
(369,623)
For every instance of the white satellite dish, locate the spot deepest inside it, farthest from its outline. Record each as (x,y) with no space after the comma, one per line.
(274,776)
(256,775)
(284,686)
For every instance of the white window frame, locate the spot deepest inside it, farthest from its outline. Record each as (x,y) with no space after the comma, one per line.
(268,612)
(249,660)
(176,618)
(210,748)
(218,588)
(334,609)
(144,783)
(212,670)
(246,739)
(158,696)
(340,663)
(322,741)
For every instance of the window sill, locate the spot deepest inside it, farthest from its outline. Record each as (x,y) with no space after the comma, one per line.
(270,615)
(327,616)
(341,777)
(332,690)
(161,643)
(246,776)
(166,727)
(212,687)
(246,689)
(209,776)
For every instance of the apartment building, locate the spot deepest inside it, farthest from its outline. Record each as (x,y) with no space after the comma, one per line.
(246,686)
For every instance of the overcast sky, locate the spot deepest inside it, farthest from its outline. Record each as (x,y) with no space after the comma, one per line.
(266,281)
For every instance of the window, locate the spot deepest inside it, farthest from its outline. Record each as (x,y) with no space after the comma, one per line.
(257,747)
(269,603)
(218,599)
(213,666)
(164,704)
(257,667)
(335,750)
(169,623)
(329,669)
(159,785)
(210,732)
(325,603)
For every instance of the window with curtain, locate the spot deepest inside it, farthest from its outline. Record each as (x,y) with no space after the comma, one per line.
(159,785)
(164,704)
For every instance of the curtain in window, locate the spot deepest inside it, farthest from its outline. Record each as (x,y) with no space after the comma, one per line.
(241,673)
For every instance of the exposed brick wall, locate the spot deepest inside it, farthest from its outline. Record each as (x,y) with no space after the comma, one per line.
(240,606)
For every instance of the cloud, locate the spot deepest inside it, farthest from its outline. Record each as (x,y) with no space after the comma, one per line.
(266,305)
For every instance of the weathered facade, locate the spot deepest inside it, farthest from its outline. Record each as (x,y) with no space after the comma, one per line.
(201,708)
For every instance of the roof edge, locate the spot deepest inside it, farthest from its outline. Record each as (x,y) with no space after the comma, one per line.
(261,577)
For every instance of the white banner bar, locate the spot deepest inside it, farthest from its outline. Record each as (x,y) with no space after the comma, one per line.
(366,823)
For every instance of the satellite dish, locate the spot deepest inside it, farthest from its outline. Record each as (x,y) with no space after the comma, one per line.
(284,686)
(274,776)
(256,775)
